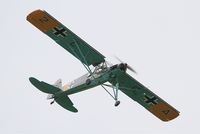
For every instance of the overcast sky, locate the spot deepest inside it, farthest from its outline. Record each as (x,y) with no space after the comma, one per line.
(159,39)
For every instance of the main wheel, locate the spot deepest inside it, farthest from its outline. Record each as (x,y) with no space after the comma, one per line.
(117,103)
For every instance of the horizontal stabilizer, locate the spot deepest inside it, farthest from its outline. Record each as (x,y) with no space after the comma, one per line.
(44,87)
(64,101)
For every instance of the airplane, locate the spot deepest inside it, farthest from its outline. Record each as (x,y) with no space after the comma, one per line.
(99,72)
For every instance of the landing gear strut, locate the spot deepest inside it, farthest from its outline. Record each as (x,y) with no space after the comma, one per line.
(115,91)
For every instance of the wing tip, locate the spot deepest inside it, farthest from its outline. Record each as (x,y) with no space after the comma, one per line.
(169,119)
(42,20)
(29,16)
(164,111)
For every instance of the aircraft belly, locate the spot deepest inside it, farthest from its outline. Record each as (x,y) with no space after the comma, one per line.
(94,82)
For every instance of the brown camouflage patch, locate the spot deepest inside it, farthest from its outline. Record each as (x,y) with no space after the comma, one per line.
(42,20)
(164,111)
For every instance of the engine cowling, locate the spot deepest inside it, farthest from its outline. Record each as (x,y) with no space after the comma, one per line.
(123,67)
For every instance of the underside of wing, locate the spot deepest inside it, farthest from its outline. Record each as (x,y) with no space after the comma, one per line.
(146,98)
(65,38)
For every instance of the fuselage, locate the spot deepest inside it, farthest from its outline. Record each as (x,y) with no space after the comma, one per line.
(97,78)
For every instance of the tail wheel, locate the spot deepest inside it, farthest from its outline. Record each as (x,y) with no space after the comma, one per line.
(52,102)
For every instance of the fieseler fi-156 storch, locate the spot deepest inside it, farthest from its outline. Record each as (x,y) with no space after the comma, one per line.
(100,72)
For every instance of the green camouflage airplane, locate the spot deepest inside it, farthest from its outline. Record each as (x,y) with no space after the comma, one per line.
(101,74)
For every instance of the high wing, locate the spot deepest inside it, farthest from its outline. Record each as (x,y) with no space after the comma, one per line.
(65,38)
(146,98)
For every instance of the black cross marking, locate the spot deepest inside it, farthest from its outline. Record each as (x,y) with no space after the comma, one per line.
(150,99)
(60,31)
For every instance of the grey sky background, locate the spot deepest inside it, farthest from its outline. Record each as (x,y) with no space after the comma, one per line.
(160,39)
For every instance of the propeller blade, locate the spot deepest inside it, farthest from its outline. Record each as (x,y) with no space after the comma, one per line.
(131,69)
(128,66)
(119,59)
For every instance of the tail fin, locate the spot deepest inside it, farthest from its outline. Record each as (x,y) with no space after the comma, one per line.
(58,83)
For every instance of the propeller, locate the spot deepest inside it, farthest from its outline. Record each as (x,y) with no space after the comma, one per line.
(128,66)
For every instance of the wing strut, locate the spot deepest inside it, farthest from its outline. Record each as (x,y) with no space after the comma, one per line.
(86,66)
(115,88)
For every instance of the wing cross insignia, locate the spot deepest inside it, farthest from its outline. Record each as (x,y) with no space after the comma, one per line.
(60,32)
(150,100)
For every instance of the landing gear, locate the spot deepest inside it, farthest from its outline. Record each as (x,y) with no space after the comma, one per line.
(115,92)
(117,103)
